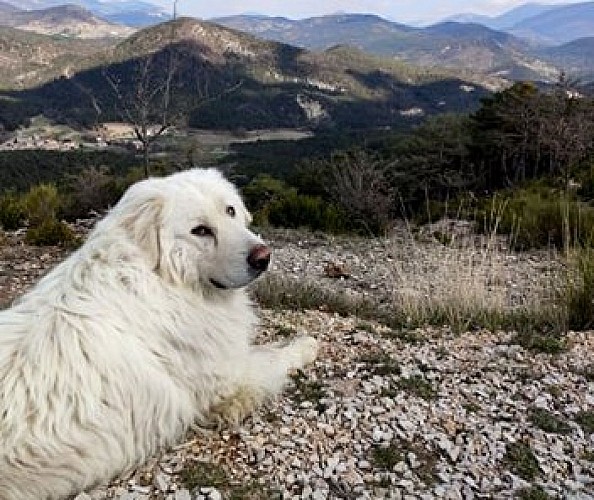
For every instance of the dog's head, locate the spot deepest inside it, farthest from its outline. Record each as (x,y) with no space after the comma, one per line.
(193,228)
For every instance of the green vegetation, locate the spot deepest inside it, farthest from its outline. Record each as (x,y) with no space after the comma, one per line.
(360,181)
(520,459)
(306,390)
(380,363)
(212,475)
(12,212)
(20,170)
(538,215)
(533,493)
(386,457)
(585,419)
(548,421)
(204,474)
(51,232)
(41,205)
(576,295)
(419,386)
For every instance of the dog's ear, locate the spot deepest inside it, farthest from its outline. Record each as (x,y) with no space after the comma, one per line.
(142,221)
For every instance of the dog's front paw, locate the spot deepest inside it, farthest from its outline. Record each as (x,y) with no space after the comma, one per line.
(306,349)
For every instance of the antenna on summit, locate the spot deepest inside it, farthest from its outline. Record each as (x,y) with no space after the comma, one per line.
(174,10)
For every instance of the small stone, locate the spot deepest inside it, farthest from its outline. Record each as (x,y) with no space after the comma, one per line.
(182,494)
(161,482)
(215,495)
(319,495)
(377,435)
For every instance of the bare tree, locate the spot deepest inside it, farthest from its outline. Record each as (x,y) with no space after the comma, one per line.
(359,184)
(148,107)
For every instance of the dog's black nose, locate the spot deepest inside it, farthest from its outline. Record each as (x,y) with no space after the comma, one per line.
(259,258)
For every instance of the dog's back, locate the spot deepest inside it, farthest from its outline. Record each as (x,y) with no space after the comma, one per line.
(81,398)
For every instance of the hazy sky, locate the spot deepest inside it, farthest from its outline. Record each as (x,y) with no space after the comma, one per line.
(395,10)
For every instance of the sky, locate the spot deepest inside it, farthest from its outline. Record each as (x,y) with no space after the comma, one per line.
(407,11)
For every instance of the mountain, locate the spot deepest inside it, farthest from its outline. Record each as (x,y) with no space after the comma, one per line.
(319,33)
(575,58)
(29,59)
(459,46)
(559,25)
(264,83)
(7,9)
(505,20)
(66,20)
(128,12)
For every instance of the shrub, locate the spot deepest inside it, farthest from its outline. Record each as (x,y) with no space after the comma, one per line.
(41,204)
(261,191)
(12,213)
(294,210)
(51,232)
(585,419)
(93,188)
(357,182)
(539,216)
(548,422)
(575,298)
(520,459)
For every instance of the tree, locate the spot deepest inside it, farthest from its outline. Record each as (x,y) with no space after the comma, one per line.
(357,181)
(522,133)
(148,106)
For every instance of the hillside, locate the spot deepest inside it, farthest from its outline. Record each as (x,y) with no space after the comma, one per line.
(128,12)
(575,58)
(507,19)
(7,9)
(29,59)
(559,25)
(273,84)
(64,20)
(318,33)
(458,46)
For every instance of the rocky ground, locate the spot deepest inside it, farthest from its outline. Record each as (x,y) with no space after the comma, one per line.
(413,413)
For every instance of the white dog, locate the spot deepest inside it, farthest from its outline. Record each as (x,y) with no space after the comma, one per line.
(140,333)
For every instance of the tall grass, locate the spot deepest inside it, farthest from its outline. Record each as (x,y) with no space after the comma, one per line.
(459,279)
(576,293)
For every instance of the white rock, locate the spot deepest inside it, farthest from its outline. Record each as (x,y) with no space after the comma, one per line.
(182,494)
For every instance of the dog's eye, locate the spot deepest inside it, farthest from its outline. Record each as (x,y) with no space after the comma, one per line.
(231,211)
(202,231)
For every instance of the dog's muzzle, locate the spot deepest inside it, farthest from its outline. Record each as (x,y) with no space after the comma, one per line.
(259,258)
(258,261)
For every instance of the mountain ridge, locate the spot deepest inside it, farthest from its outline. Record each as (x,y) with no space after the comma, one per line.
(560,25)
(274,84)
(134,13)
(458,46)
(67,20)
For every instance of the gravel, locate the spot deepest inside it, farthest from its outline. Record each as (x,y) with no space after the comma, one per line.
(380,414)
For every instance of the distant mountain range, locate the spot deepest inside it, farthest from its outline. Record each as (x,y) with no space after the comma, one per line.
(66,20)
(471,47)
(507,19)
(515,45)
(346,70)
(274,84)
(134,13)
(510,46)
(561,24)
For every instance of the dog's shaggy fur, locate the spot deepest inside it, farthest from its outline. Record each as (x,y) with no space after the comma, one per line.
(142,332)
